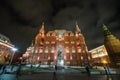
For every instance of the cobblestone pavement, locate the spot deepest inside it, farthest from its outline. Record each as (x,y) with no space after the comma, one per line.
(59,76)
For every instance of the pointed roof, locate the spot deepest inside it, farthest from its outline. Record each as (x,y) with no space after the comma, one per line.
(77,28)
(42,28)
(106,30)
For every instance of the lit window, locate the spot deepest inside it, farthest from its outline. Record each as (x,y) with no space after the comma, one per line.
(78,43)
(70,57)
(52,50)
(72,42)
(53,42)
(66,34)
(60,35)
(49,58)
(47,42)
(67,50)
(65,57)
(46,50)
(68,62)
(66,42)
(41,50)
(76,35)
(89,58)
(83,51)
(79,50)
(55,57)
(36,51)
(73,49)
(48,34)
(38,58)
(81,57)
(53,34)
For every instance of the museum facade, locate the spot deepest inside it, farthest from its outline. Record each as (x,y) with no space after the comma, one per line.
(59,47)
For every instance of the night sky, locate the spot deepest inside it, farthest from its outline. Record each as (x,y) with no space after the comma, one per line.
(20,20)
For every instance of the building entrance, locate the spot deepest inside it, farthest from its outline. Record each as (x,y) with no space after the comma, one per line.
(60,61)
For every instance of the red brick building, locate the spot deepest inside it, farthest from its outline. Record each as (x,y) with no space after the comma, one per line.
(59,47)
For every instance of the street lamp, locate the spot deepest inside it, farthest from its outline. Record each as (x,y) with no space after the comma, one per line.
(106,67)
(14,50)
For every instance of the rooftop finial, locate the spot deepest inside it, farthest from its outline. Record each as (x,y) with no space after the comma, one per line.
(43,25)
(77,28)
(42,28)
(106,30)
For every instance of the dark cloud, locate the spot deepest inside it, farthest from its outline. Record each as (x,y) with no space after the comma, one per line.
(21,19)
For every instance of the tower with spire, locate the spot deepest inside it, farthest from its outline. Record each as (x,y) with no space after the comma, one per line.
(112,45)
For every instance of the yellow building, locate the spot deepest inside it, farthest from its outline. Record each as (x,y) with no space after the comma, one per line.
(100,55)
(112,45)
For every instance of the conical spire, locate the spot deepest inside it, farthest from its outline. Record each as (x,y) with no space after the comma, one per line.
(42,28)
(106,30)
(77,28)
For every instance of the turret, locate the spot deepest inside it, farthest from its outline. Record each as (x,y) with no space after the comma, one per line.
(42,31)
(112,45)
(77,28)
(40,35)
(106,31)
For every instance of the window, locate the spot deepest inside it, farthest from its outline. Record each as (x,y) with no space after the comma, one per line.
(79,50)
(72,42)
(41,50)
(66,34)
(68,62)
(67,50)
(47,42)
(64,57)
(53,34)
(52,49)
(73,49)
(36,51)
(53,42)
(81,57)
(48,34)
(66,42)
(68,57)
(46,50)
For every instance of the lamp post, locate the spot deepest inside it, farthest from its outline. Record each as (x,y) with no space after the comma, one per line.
(106,67)
(14,50)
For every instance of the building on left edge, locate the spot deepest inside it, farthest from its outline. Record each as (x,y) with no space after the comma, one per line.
(5,49)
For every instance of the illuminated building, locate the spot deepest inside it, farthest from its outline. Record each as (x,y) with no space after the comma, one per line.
(59,47)
(112,45)
(100,55)
(5,49)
